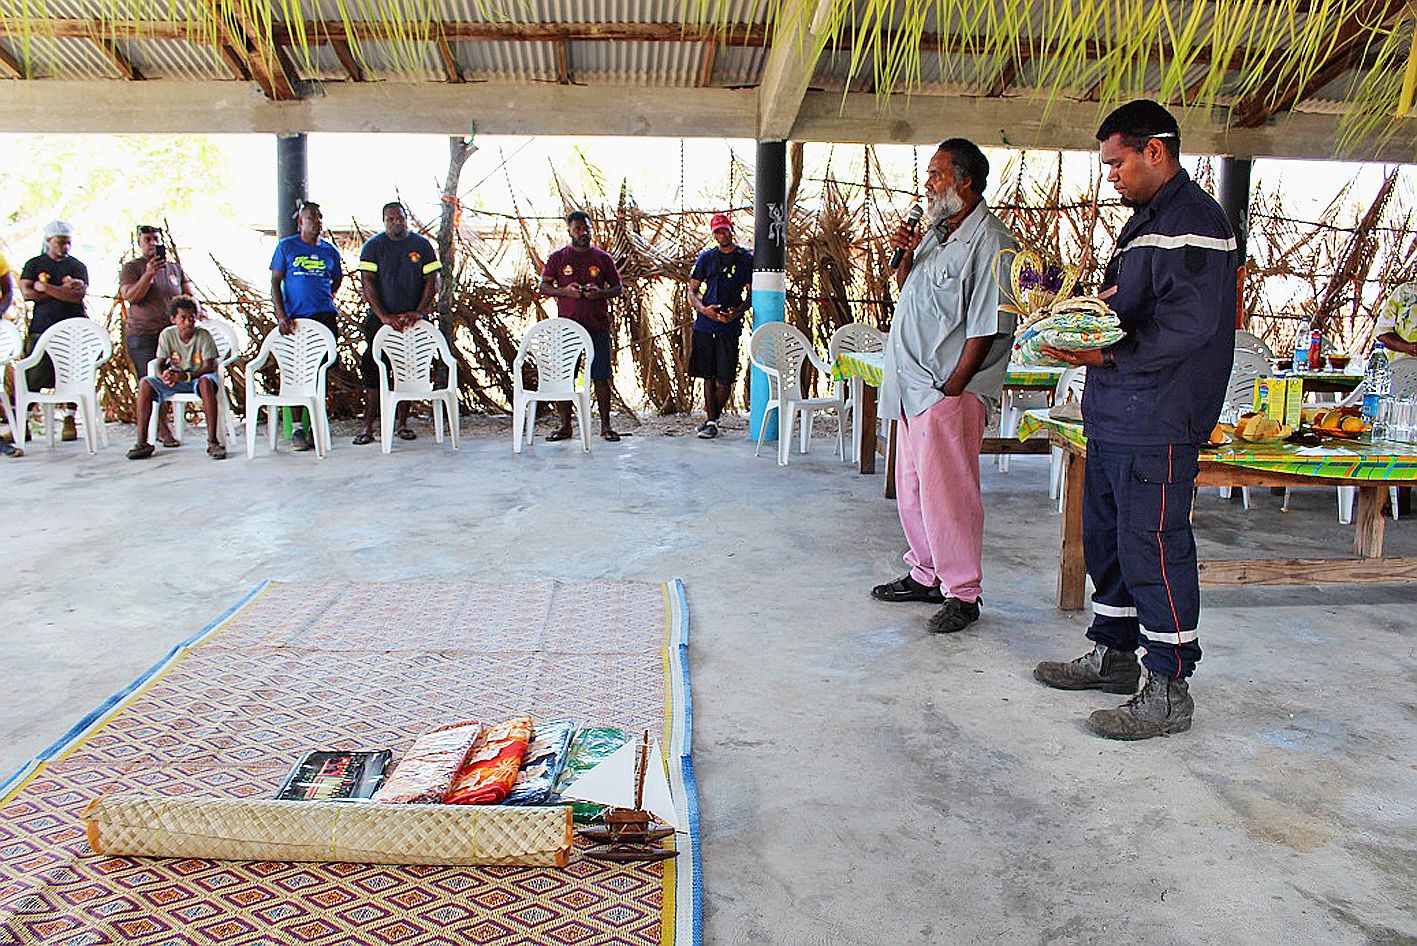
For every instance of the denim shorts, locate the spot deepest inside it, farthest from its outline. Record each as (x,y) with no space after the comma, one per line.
(164,391)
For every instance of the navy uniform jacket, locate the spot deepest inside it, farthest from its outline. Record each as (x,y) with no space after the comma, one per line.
(1175,271)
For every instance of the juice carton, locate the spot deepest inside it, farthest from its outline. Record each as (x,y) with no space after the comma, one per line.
(1293,402)
(1280,399)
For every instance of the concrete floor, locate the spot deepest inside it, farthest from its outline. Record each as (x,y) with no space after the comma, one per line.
(862,781)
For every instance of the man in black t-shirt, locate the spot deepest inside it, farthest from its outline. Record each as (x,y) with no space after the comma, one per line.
(54,283)
(399,275)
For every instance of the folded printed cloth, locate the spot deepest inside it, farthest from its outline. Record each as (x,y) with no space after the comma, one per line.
(491,769)
(591,746)
(544,759)
(425,773)
(1075,324)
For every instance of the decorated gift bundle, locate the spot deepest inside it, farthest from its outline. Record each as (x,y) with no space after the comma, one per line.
(1048,314)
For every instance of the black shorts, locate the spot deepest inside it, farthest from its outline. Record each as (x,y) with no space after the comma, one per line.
(367,370)
(41,375)
(142,350)
(714,357)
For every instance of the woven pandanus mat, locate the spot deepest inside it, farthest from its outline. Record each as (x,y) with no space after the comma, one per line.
(265,830)
(351,665)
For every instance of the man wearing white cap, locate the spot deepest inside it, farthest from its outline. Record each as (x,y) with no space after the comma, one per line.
(54,283)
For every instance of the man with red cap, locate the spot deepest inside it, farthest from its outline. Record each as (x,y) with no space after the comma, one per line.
(720,294)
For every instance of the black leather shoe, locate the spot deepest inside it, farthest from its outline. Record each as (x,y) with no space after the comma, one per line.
(906,588)
(956,615)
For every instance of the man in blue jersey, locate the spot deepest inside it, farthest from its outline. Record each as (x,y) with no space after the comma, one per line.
(305,275)
(1151,400)
(720,294)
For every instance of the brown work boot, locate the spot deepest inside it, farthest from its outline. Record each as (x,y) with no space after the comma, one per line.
(68,432)
(1102,668)
(1163,707)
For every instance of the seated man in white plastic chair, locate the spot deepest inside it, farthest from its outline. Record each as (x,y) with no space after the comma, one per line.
(187,361)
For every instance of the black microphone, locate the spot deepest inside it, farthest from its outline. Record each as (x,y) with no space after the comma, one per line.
(912,218)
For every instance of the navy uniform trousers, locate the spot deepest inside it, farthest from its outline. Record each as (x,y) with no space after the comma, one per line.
(1140,552)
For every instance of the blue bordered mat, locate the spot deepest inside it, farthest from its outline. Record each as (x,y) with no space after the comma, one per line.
(682,919)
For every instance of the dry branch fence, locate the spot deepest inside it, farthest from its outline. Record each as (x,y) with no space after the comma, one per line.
(1335,270)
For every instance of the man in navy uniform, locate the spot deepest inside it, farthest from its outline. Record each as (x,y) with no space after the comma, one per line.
(1151,400)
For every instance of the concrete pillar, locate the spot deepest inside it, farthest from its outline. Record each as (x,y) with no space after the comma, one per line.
(769,263)
(1232,182)
(292,174)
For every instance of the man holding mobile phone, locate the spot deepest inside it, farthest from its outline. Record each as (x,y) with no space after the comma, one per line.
(146,285)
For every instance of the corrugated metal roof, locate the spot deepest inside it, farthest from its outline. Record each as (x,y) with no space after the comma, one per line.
(62,57)
(636,64)
(507,62)
(174,59)
(626,64)
(739,65)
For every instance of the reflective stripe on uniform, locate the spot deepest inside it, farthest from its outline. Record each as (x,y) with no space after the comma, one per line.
(1112,611)
(436,265)
(1169,637)
(368,266)
(1178,242)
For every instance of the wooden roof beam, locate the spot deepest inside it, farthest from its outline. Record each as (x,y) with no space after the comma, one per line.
(346,58)
(1007,74)
(707,59)
(1344,53)
(120,62)
(563,62)
(451,70)
(10,67)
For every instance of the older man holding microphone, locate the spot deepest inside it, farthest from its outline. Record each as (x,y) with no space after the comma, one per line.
(945,363)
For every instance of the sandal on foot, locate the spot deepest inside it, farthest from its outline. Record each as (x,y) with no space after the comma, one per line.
(363,438)
(560,433)
(215,450)
(141,451)
(405,433)
(609,435)
(169,441)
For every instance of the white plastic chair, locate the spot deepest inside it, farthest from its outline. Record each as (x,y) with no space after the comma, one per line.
(411,353)
(852,337)
(1070,385)
(240,337)
(1249,367)
(302,359)
(778,350)
(227,350)
(556,347)
(1011,408)
(12,346)
(76,347)
(1248,341)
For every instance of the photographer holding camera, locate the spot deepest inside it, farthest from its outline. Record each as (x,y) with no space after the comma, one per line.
(147,284)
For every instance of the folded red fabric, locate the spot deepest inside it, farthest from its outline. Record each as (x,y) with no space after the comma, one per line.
(491,769)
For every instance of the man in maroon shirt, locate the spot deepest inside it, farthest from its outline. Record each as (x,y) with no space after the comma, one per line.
(582,278)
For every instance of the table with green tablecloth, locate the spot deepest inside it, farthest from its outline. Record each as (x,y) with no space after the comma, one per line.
(1371,467)
(866,369)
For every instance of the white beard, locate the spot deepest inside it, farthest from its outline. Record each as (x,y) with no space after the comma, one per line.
(943,207)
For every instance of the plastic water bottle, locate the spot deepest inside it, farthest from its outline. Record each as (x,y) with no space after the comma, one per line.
(1301,348)
(1377,385)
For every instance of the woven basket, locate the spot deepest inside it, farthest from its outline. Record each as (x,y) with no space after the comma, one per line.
(266,830)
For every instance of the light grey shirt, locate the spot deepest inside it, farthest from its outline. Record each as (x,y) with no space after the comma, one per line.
(949,296)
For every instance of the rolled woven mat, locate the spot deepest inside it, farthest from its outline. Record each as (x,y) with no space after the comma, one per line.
(266,830)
